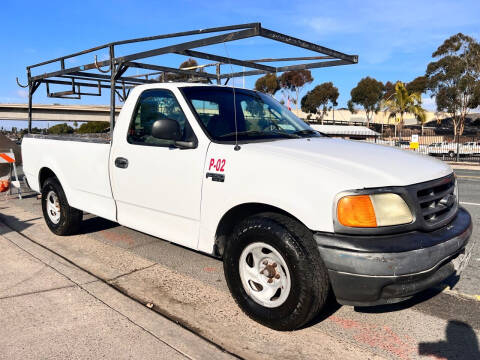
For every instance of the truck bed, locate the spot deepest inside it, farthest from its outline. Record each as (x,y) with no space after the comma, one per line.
(80,163)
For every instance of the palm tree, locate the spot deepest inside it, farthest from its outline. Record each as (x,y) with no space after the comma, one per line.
(403,102)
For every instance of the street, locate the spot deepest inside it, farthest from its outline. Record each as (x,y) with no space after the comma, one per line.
(189,287)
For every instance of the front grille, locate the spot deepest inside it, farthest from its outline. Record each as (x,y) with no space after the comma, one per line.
(437,201)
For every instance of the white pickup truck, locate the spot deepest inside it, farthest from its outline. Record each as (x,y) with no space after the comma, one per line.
(294,214)
(450,149)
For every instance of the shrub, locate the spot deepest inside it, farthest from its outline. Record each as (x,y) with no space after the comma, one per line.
(60,129)
(93,127)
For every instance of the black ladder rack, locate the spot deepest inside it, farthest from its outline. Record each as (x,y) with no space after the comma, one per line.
(82,76)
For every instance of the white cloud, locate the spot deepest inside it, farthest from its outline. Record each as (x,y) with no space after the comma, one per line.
(326,25)
(22,93)
(429,104)
(18,96)
(10,100)
(383,29)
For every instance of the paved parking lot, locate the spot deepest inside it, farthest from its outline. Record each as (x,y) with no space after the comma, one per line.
(442,324)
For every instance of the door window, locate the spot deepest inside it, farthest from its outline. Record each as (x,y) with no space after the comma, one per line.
(153,105)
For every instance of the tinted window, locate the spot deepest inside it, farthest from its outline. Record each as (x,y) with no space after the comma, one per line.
(258,116)
(154,105)
(206,110)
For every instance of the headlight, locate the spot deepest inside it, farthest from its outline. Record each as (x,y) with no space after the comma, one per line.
(373,210)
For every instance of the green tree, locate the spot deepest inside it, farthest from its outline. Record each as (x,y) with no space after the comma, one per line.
(93,127)
(60,129)
(294,81)
(317,100)
(35,130)
(403,102)
(190,64)
(368,94)
(418,85)
(454,79)
(268,84)
(75,124)
(389,90)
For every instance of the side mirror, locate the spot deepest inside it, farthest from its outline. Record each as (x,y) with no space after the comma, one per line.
(166,129)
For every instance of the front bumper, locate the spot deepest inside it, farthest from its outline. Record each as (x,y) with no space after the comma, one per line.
(373,270)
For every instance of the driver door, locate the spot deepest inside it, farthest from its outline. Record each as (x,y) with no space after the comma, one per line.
(157,187)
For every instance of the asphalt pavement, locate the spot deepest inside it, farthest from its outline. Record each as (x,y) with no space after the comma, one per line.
(443,323)
(469,193)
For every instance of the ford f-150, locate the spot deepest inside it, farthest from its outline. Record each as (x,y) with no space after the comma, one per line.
(294,214)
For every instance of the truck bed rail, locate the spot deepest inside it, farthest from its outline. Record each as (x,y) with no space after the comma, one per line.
(90,138)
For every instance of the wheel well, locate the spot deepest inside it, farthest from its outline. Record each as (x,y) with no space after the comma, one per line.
(44,174)
(236,215)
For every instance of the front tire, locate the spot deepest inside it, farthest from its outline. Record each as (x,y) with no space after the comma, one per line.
(274,271)
(60,217)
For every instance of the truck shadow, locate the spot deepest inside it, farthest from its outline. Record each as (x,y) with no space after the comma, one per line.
(11,223)
(331,307)
(406,304)
(461,343)
(92,224)
(419,298)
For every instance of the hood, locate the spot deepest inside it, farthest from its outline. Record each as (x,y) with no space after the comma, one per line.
(363,163)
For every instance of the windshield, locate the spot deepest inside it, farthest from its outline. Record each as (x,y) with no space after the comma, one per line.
(259,116)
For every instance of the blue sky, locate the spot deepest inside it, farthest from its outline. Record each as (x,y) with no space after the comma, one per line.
(394,39)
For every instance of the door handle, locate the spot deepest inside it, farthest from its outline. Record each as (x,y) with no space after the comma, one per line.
(121,162)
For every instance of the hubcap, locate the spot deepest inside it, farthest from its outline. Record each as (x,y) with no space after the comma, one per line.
(53,207)
(264,274)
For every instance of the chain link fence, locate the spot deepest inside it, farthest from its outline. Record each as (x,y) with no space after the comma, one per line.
(465,148)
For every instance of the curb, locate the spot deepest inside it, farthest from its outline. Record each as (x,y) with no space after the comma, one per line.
(137,299)
(448,290)
(464,165)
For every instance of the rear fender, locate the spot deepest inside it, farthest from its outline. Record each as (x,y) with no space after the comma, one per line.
(59,175)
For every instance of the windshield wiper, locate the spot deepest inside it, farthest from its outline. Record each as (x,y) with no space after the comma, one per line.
(261,133)
(308,132)
(240,133)
(289,135)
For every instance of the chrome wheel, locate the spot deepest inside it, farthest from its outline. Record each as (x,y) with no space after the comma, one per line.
(53,207)
(264,274)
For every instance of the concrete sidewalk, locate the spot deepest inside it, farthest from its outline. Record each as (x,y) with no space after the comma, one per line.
(51,309)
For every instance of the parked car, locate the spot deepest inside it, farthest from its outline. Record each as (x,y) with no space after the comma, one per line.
(471,147)
(442,148)
(450,149)
(404,144)
(293,214)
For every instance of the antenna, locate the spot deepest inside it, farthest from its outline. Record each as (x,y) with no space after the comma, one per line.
(237,147)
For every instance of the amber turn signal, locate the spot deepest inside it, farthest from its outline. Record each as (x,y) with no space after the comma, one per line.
(356,211)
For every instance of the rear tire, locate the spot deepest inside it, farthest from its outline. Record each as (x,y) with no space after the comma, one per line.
(60,217)
(451,154)
(298,280)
